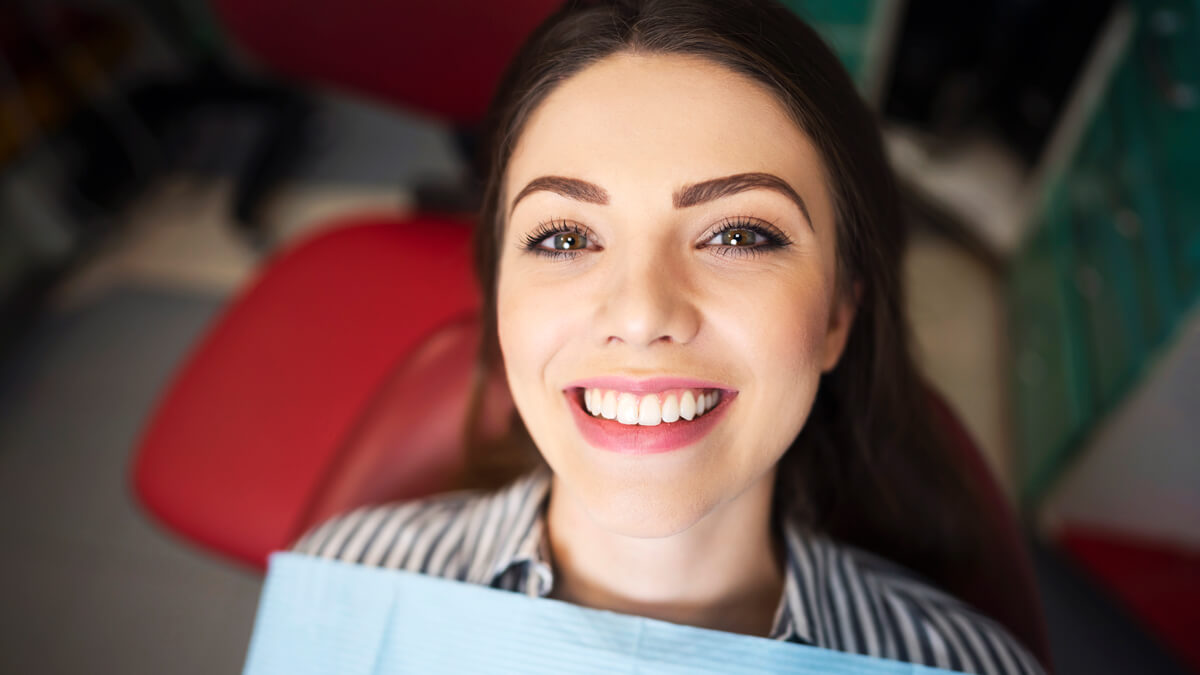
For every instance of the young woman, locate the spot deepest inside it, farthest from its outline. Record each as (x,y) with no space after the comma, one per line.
(689,250)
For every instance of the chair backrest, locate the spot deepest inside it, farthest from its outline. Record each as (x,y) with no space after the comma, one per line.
(239,454)
(408,442)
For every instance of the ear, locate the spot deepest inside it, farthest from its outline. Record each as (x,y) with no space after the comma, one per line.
(841,319)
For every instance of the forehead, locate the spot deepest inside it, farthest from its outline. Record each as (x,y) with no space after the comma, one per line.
(639,123)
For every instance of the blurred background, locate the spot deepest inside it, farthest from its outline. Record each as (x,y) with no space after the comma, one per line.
(197,204)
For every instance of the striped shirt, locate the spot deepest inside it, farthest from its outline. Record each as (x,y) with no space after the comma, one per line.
(835,596)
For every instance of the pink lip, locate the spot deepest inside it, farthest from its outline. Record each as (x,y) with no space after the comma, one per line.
(648,386)
(626,439)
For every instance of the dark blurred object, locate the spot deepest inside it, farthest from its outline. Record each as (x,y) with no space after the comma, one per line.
(217,120)
(1089,631)
(49,64)
(1007,65)
(1160,585)
(80,139)
(218,116)
(57,66)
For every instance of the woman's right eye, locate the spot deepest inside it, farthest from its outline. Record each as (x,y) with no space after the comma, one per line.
(558,240)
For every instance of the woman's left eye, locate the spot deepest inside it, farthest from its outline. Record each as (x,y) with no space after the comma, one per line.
(736,237)
(746,237)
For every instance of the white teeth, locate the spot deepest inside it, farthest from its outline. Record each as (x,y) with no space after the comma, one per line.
(627,409)
(670,409)
(649,412)
(608,406)
(687,405)
(651,409)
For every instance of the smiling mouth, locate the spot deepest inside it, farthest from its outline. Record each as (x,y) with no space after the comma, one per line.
(646,424)
(673,406)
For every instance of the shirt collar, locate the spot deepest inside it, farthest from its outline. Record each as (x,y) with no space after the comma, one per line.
(525,500)
(528,500)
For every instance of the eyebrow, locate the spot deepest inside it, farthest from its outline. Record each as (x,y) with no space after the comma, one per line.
(707,191)
(572,188)
(688,196)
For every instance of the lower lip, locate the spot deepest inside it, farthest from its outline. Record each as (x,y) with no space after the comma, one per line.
(629,439)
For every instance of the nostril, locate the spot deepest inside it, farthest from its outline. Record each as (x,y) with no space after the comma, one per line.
(662,338)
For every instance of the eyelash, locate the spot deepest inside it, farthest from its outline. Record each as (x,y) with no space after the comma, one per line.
(775,238)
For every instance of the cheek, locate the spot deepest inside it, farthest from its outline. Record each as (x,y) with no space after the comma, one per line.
(533,322)
(780,328)
(513,323)
(799,342)
(781,337)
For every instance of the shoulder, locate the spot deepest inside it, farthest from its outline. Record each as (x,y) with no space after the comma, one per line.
(886,610)
(456,535)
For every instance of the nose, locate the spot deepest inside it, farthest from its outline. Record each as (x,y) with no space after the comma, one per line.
(650,299)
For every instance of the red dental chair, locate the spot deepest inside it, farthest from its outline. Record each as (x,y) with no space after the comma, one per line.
(339,377)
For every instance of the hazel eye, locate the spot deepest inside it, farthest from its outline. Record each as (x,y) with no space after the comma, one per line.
(746,237)
(565,241)
(560,240)
(737,237)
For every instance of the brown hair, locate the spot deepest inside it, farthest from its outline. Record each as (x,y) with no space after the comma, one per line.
(868,468)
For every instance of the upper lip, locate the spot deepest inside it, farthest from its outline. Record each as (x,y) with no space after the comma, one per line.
(650,385)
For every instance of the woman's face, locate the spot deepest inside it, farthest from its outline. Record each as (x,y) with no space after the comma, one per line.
(670,248)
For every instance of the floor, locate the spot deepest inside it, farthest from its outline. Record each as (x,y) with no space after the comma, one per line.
(90,583)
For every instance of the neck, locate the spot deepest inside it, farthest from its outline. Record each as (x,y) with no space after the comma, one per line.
(725,572)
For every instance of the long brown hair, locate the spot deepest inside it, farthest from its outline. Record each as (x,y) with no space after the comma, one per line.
(868,468)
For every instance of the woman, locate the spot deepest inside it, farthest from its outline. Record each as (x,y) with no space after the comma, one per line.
(689,251)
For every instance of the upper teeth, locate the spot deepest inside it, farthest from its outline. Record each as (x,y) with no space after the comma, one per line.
(650,409)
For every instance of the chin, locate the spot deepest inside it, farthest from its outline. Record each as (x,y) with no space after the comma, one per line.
(645,511)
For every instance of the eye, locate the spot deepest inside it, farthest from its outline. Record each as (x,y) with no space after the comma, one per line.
(564,241)
(743,236)
(558,239)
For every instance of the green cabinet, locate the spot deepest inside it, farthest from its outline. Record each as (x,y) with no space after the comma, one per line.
(1048,372)
(1167,51)
(1113,260)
